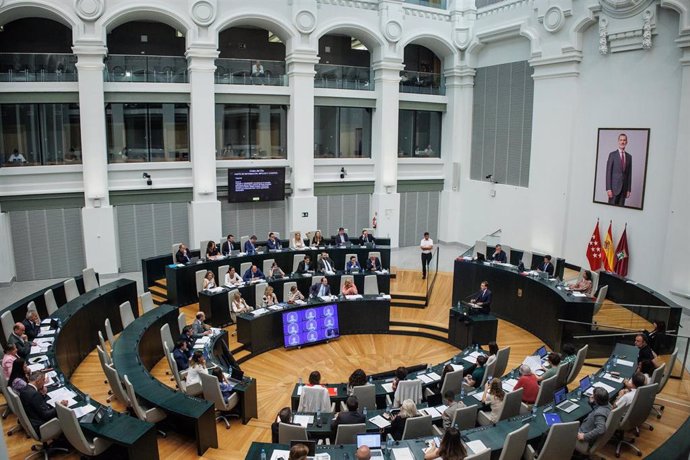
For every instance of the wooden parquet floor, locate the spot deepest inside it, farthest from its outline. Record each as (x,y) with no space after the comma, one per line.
(278,370)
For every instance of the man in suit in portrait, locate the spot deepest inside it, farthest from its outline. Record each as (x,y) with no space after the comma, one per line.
(619,173)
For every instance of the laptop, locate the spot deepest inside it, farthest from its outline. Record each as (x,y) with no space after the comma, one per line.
(551,418)
(373,442)
(236,374)
(586,385)
(561,401)
(542,352)
(481,257)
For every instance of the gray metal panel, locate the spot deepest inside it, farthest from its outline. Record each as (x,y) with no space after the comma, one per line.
(418,214)
(47,243)
(254,219)
(349,211)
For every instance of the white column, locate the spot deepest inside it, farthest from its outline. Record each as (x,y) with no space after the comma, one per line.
(204,210)
(456,146)
(302,203)
(385,201)
(676,271)
(98,217)
(8,271)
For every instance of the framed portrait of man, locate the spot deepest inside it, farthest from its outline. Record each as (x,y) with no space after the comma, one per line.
(621,167)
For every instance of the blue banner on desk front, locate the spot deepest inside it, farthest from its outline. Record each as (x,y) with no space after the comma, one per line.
(310,325)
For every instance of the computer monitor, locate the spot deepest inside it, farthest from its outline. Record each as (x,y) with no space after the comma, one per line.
(585,383)
(559,396)
(542,352)
(372,441)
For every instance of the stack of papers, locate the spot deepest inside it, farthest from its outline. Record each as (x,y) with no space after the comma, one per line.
(478,395)
(384,297)
(403,453)
(430,411)
(353,297)
(534,362)
(46,321)
(457,367)
(275,308)
(61,393)
(303,420)
(380,421)
(608,388)
(388,387)
(216,290)
(476,446)
(509,384)
(300,302)
(36,367)
(613,378)
(259,312)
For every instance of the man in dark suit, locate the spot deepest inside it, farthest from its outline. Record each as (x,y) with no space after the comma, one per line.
(366,238)
(250,245)
(35,403)
(305,265)
(20,340)
(349,417)
(284,416)
(273,242)
(619,173)
(252,274)
(182,354)
(32,325)
(320,289)
(483,298)
(546,266)
(183,255)
(499,255)
(326,265)
(228,245)
(341,238)
(373,263)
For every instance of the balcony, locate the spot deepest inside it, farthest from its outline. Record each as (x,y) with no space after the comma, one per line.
(145,69)
(248,72)
(343,77)
(37,67)
(422,83)
(430,3)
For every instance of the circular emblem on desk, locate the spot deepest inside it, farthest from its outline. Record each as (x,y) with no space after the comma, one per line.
(88,10)
(305,21)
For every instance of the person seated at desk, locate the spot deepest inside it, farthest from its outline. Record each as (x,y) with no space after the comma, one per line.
(349,288)
(273,242)
(197,365)
(353,265)
(8,359)
(363,453)
(326,265)
(20,340)
(493,352)
(594,425)
(253,274)
(182,354)
(626,395)
(451,407)
(474,379)
(199,327)
(568,355)
(647,368)
(297,242)
(32,324)
(305,266)
(317,240)
(408,409)
(187,336)
(239,305)
(450,447)
(276,271)
(357,379)
(350,416)
(553,360)
(284,416)
(250,245)
(373,263)
(366,238)
(209,281)
(546,266)
(320,289)
(483,298)
(499,255)
(232,278)
(584,285)
(183,255)
(341,238)
(228,245)
(212,251)
(494,397)
(527,381)
(19,376)
(645,354)
(225,386)
(294,295)
(16,158)
(400,374)
(298,452)
(269,297)
(35,401)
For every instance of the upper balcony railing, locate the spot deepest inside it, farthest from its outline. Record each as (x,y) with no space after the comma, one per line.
(248,72)
(37,67)
(343,77)
(145,69)
(431,3)
(422,83)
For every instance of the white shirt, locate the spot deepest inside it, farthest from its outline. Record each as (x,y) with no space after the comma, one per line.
(427,246)
(626,399)
(237,279)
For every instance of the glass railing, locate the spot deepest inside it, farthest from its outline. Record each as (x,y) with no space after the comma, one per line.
(248,72)
(37,67)
(431,3)
(343,77)
(145,69)
(422,82)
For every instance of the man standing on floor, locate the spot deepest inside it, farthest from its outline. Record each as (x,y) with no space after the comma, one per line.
(427,246)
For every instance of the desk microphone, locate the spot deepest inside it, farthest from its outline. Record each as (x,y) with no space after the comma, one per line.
(474,294)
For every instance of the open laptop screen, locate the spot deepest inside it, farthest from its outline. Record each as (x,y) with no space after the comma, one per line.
(542,352)
(372,441)
(559,396)
(585,383)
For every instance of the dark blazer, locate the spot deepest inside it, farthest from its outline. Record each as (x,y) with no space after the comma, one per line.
(339,240)
(273,244)
(302,267)
(548,268)
(369,239)
(617,179)
(226,248)
(189,340)
(349,266)
(249,248)
(181,358)
(346,418)
(322,265)
(183,257)
(376,265)
(23,346)
(36,407)
(31,329)
(485,299)
(500,257)
(212,253)
(314,289)
(248,274)
(397,427)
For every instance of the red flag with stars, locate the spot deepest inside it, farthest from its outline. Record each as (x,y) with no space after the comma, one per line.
(594,249)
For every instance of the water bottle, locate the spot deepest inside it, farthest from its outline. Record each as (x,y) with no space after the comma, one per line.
(87,399)
(364,412)
(534,410)
(110,412)
(462,393)
(300,382)
(371,380)
(318,417)
(615,360)
(607,368)
(263,454)
(389,443)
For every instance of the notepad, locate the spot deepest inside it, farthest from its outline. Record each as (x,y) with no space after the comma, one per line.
(303,420)
(83,410)
(403,453)
(425,378)
(379,421)
(430,411)
(624,362)
(476,446)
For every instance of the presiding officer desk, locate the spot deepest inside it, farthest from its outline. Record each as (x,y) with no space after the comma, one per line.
(181,280)
(139,348)
(80,319)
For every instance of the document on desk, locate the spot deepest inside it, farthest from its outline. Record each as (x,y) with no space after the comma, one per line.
(277,453)
(259,312)
(46,321)
(35,367)
(275,308)
(441,409)
(303,420)
(606,387)
(353,297)
(624,362)
(384,297)
(476,446)
(534,362)
(579,294)
(380,421)
(61,393)
(83,410)
(434,376)
(38,359)
(403,453)
(425,378)
(204,339)
(457,367)
(509,384)
(613,378)
(478,395)
(388,387)
(430,411)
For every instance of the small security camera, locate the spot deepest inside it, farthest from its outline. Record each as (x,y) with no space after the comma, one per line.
(489,176)
(343,173)
(147,176)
